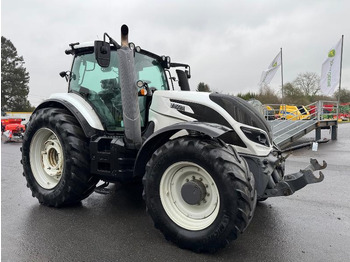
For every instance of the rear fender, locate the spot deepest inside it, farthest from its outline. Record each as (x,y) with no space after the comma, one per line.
(79,108)
(163,135)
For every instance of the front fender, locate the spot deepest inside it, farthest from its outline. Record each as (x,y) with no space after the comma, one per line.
(163,135)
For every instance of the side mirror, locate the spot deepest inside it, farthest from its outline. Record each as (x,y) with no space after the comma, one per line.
(102,53)
(183,80)
(65,74)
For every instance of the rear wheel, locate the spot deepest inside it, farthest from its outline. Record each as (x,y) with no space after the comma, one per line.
(200,194)
(55,158)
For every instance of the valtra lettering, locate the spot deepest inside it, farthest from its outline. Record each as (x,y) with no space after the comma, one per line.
(178,106)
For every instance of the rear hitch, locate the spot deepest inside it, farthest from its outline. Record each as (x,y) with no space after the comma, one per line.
(293,182)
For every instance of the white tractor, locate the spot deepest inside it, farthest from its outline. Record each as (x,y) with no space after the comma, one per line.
(205,159)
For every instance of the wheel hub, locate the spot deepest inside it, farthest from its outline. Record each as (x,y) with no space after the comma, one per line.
(52,157)
(46,158)
(189,195)
(193,192)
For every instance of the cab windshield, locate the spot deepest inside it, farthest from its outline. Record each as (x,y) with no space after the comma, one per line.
(101,86)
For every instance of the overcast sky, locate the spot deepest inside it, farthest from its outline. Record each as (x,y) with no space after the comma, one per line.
(227,43)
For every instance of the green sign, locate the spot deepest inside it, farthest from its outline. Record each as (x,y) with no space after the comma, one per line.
(331,53)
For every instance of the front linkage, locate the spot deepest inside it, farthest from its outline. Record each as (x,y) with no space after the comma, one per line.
(293,182)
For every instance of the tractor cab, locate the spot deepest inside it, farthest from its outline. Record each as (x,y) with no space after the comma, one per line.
(100,83)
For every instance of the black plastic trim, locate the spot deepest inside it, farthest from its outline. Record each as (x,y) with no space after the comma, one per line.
(203,113)
(163,135)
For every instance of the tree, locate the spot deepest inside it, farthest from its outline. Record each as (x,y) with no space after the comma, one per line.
(14,79)
(344,95)
(294,95)
(308,83)
(247,96)
(202,87)
(267,95)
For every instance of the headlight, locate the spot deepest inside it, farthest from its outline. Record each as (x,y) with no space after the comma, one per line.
(132,46)
(256,136)
(165,62)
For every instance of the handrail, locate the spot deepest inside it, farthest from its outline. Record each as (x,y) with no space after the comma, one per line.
(316,110)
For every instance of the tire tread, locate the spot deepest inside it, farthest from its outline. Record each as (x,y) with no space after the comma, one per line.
(79,183)
(235,172)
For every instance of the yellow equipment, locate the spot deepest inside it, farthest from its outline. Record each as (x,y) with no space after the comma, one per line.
(293,112)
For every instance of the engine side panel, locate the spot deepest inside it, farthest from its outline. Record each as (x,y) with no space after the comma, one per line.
(176,106)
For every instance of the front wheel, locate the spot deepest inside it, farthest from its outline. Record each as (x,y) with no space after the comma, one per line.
(55,158)
(200,194)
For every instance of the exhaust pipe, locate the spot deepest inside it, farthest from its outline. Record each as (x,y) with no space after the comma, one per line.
(129,93)
(124,36)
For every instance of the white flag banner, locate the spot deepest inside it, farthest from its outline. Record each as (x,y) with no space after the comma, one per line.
(269,73)
(330,74)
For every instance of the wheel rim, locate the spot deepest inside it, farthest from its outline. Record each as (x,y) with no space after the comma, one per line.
(46,158)
(189,216)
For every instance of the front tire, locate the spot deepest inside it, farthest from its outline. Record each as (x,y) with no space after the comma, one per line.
(55,158)
(200,194)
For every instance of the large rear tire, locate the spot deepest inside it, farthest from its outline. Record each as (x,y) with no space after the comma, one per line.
(199,193)
(55,158)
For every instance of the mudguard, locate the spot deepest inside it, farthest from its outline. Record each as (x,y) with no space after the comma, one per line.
(79,108)
(163,135)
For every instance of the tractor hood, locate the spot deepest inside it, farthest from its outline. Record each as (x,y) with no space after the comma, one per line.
(209,107)
(232,112)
